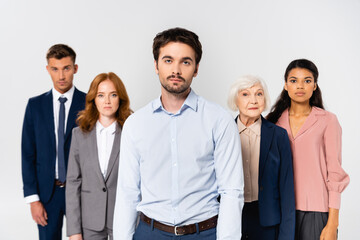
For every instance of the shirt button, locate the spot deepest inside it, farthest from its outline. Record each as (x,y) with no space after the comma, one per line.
(175,164)
(104,189)
(173,139)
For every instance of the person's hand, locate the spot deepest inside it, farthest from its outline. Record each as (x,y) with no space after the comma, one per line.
(329,233)
(38,213)
(76,237)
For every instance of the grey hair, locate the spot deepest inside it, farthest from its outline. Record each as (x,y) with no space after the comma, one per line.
(245,82)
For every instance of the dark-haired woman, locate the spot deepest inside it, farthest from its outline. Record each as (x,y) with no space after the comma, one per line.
(315,139)
(94,159)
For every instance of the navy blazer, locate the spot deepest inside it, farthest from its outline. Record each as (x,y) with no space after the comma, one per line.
(38,144)
(276,181)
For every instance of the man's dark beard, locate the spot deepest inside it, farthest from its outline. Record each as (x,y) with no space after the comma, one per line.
(177,91)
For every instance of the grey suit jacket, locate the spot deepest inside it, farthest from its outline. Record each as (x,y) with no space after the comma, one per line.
(90,198)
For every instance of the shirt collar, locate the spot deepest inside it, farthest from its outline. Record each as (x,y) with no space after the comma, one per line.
(191,101)
(255,127)
(111,129)
(69,94)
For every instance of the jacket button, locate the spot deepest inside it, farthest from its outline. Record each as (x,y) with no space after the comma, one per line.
(261,188)
(104,189)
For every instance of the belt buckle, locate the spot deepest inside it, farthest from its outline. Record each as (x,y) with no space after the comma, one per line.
(176,233)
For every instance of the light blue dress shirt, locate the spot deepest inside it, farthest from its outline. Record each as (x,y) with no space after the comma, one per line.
(174,166)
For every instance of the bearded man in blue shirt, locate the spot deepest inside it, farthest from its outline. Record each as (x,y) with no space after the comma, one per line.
(178,154)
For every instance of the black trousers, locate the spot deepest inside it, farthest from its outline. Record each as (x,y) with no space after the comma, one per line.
(250,226)
(310,224)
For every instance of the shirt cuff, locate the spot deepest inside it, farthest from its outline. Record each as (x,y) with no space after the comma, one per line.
(32,198)
(334,199)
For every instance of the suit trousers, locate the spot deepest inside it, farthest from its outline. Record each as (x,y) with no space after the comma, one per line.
(251,228)
(146,232)
(55,210)
(89,234)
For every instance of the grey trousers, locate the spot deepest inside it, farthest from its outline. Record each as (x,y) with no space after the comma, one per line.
(105,234)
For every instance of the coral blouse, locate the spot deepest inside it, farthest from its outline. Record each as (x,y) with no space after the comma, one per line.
(318,176)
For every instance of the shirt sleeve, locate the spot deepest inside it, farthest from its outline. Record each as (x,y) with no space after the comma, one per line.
(337,178)
(128,188)
(32,198)
(229,176)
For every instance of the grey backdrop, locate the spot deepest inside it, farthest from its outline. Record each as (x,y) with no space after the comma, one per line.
(239,37)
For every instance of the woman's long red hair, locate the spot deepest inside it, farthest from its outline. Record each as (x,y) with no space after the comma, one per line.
(88,117)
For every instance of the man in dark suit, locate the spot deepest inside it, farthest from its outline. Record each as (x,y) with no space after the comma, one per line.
(46,136)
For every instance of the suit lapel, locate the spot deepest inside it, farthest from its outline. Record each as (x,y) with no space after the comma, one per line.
(114,156)
(73,111)
(267,132)
(49,118)
(93,153)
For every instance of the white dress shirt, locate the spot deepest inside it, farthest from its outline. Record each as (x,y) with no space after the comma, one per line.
(56,107)
(105,140)
(174,166)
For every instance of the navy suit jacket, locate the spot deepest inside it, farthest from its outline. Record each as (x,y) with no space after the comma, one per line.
(276,181)
(38,144)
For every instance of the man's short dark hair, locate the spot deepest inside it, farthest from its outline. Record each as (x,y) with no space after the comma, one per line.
(177,35)
(60,51)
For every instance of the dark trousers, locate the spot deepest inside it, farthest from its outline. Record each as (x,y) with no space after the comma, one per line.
(146,232)
(251,228)
(309,225)
(55,210)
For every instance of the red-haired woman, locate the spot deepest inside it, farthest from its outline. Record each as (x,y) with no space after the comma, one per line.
(94,159)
